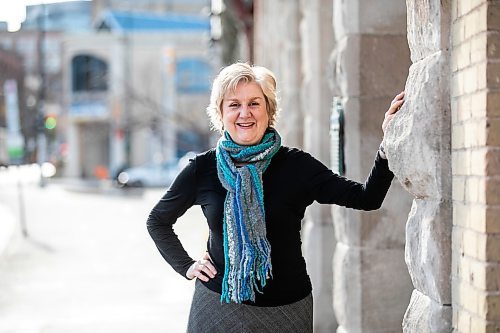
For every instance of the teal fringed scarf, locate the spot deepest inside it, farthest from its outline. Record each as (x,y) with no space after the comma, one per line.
(247,253)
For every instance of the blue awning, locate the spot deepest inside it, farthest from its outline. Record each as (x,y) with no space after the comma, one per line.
(137,21)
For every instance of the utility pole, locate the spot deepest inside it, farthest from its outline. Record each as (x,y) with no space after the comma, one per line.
(40,118)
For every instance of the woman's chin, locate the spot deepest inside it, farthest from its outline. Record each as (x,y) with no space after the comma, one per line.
(245,141)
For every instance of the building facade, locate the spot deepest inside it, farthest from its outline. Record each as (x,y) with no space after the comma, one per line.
(39,43)
(39,53)
(428,260)
(126,82)
(136,91)
(69,16)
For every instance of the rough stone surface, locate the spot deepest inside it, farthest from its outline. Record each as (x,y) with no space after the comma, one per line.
(418,144)
(428,27)
(367,296)
(426,316)
(417,147)
(428,248)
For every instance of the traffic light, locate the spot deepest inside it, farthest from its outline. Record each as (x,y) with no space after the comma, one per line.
(50,122)
(50,126)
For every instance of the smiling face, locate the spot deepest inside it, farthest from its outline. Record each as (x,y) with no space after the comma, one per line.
(244,113)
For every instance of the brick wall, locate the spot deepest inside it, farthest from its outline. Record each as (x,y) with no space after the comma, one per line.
(475,104)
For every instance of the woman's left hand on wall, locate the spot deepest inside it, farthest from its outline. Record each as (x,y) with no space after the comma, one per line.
(396,104)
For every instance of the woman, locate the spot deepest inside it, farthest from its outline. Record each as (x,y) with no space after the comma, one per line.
(254,192)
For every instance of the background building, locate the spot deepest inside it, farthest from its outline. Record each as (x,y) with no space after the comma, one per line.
(125,82)
(71,16)
(40,44)
(137,90)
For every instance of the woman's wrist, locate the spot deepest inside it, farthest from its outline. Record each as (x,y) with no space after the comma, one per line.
(381,151)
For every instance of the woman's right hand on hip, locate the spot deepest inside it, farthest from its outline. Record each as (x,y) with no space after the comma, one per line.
(202,269)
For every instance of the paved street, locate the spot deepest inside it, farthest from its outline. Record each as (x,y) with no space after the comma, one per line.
(89,264)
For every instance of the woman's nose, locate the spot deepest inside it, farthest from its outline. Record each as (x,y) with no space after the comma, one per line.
(244,111)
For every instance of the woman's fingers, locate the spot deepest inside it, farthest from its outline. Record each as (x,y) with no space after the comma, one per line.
(203,269)
(207,267)
(201,276)
(396,104)
(398,97)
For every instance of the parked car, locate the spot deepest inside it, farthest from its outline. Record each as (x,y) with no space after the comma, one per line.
(148,175)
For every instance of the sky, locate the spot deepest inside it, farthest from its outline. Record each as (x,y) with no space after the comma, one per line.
(14,12)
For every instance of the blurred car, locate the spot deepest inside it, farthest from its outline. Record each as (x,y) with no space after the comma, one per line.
(149,175)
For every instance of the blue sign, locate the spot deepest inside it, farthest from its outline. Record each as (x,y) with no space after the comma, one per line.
(89,110)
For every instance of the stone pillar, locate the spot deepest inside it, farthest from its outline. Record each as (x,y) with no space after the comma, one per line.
(371,283)
(290,125)
(418,148)
(316,97)
(277,46)
(475,109)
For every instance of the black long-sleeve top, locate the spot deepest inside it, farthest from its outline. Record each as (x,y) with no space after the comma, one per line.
(293,180)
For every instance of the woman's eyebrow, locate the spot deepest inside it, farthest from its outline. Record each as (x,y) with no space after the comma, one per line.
(236,99)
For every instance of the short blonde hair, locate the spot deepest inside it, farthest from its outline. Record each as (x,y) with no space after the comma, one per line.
(229,78)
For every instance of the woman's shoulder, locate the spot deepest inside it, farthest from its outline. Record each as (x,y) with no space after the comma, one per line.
(295,154)
(205,159)
(206,155)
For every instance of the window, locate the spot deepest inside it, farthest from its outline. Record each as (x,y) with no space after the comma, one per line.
(89,73)
(193,76)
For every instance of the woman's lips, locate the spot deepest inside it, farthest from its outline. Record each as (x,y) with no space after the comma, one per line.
(245,125)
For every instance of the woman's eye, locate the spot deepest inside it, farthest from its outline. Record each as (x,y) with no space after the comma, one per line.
(254,104)
(233,105)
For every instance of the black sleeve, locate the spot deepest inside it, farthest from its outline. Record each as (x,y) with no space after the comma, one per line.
(328,187)
(179,197)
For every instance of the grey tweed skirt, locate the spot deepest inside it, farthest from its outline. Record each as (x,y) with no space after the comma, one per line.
(208,315)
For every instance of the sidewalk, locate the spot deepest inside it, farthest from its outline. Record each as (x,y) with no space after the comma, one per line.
(89,266)
(8,230)
(9,207)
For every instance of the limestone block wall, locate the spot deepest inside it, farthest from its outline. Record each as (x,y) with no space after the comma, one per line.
(475,105)
(418,148)
(316,32)
(371,283)
(278,47)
